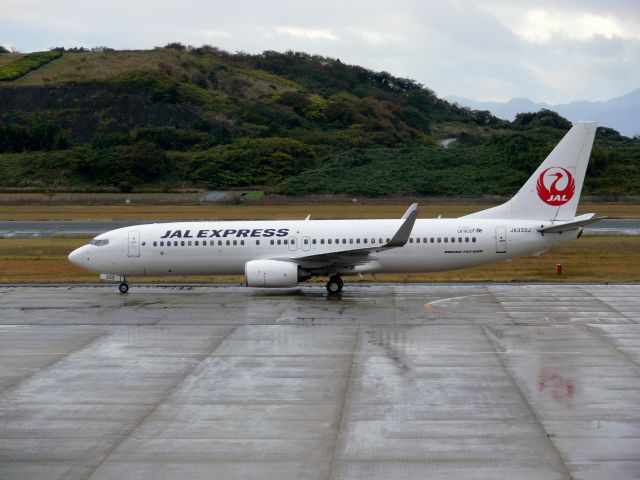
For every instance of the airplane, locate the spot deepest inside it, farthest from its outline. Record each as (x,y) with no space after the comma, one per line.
(281,254)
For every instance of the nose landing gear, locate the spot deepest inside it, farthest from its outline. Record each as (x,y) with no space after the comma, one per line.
(334,285)
(123,287)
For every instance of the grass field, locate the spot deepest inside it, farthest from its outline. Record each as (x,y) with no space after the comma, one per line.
(589,259)
(267,211)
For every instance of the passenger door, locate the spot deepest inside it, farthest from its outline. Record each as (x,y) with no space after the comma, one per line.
(134,244)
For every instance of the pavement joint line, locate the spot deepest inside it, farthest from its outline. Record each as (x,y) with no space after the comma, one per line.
(594,331)
(130,428)
(346,393)
(525,401)
(603,303)
(72,349)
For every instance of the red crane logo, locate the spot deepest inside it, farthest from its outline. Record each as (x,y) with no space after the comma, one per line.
(556,186)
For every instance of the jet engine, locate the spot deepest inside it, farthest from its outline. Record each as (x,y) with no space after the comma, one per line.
(272,273)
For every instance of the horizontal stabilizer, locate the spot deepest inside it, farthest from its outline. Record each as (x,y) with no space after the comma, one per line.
(580,221)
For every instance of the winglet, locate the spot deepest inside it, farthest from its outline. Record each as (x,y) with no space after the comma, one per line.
(402,235)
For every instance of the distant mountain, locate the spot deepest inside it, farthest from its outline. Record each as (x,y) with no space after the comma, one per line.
(622,113)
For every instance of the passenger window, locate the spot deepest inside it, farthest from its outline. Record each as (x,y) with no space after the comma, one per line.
(351,240)
(197,243)
(380,241)
(279,242)
(189,243)
(322,241)
(466,239)
(344,240)
(411,240)
(364,240)
(228,242)
(285,242)
(388,240)
(313,241)
(241,242)
(460,239)
(453,239)
(272,242)
(306,241)
(162,244)
(235,242)
(293,241)
(257,242)
(212,242)
(418,240)
(182,243)
(329,241)
(155,244)
(219,243)
(439,240)
(357,240)
(473,239)
(431,240)
(175,243)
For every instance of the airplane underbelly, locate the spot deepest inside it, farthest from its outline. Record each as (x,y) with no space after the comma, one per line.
(194,265)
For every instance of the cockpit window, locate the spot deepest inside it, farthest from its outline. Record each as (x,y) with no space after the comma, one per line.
(99,243)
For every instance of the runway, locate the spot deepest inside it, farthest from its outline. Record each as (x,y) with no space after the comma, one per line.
(55,228)
(402,381)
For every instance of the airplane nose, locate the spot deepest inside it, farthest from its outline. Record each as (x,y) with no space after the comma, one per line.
(77,257)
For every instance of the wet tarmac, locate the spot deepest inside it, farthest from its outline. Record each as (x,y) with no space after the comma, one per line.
(473,381)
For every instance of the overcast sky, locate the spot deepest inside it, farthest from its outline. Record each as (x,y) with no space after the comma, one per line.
(548,50)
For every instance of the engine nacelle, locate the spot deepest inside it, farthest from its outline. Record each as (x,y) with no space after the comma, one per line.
(271,273)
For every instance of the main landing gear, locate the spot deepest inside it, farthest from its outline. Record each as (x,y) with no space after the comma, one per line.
(123,287)
(335,284)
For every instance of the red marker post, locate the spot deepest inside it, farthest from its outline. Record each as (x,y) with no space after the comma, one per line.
(559,269)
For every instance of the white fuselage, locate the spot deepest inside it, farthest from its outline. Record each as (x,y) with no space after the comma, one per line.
(223,248)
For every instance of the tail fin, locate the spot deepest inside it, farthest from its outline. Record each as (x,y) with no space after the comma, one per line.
(553,191)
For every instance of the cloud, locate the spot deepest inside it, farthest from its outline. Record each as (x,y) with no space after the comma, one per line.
(544,25)
(377,38)
(214,33)
(306,33)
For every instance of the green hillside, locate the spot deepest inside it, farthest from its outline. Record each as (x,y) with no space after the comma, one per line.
(290,123)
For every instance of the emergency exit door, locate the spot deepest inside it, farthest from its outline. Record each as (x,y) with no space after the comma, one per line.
(501,240)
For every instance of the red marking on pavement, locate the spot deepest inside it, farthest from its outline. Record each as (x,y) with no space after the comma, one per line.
(560,388)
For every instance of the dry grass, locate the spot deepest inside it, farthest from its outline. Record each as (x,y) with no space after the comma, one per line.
(7,58)
(590,259)
(100,66)
(265,211)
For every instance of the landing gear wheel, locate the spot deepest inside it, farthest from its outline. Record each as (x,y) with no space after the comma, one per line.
(334,285)
(123,287)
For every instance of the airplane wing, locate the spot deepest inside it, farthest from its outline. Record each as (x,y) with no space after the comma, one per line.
(579,221)
(357,256)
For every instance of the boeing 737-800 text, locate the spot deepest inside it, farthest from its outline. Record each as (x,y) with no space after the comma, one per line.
(283,253)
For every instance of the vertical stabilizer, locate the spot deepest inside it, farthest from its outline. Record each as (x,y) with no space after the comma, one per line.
(553,191)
